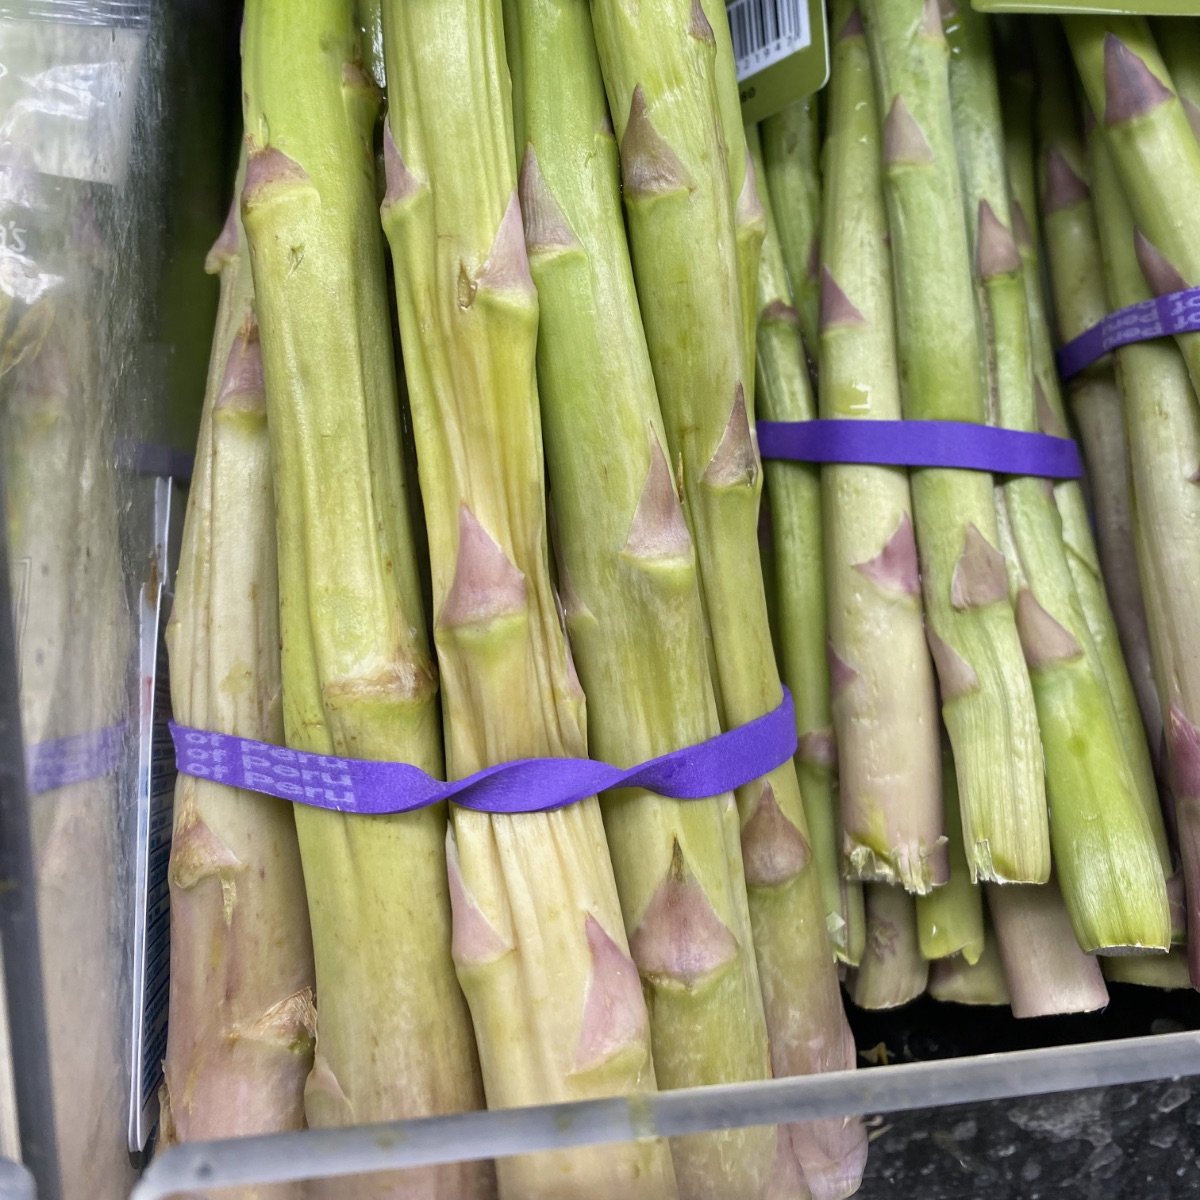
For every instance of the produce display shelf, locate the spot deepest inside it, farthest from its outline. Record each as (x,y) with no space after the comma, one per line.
(399,1145)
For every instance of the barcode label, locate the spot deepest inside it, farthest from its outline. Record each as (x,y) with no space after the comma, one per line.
(766,31)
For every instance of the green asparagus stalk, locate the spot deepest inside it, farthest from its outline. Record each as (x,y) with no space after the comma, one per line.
(893,971)
(1179,42)
(1045,970)
(658,63)
(627,572)
(1157,157)
(394,1038)
(1119,632)
(1079,299)
(794,494)
(1162,424)
(884,698)
(1104,847)
(1167,972)
(790,144)
(950,918)
(987,701)
(240,1040)
(540,946)
(982,982)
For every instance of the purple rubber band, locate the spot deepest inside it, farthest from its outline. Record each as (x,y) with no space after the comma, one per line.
(954,444)
(526,785)
(74,759)
(1164,316)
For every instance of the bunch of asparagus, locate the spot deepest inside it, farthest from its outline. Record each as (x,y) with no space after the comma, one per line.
(599,276)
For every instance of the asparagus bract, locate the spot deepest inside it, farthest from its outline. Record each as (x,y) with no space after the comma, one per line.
(1157,157)
(1162,422)
(987,702)
(1104,848)
(884,698)
(394,1038)
(240,1040)
(658,63)
(790,144)
(892,971)
(630,589)
(539,942)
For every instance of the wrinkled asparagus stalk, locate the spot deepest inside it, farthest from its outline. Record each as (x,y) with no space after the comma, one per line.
(1044,968)
(982,982)
(658,63)
(987,702)
(627,573)
(794,494)
(950,919)
(884,697)
(539,942)
(393,1034)
(242,1018)
(892,971)
(1105,851)
(1162,424)
(1122,643)
(790,143)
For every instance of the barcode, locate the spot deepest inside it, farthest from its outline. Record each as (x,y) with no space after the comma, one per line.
(765,31)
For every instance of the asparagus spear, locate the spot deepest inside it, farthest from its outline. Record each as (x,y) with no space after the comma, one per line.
(1105,851)
(1045,970)
(1162,423)
(958,981)
(393,1033)
(240,1039)
(790,145)
(539,942)
(1124,639)
(893,971)
(1075,272)
(658,63)
(884,700)
(1157,157)
(793,490)
(1179,42)
(627,572)
(950,918)
(987,701)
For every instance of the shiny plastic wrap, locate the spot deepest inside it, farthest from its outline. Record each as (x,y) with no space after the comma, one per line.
(111,167)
